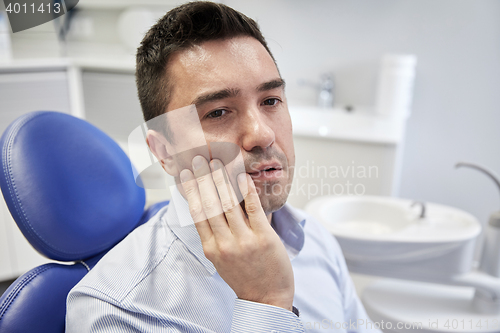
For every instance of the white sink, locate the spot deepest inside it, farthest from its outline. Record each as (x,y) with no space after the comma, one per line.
(385,236)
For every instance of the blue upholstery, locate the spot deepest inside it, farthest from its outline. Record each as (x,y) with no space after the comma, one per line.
(71,190)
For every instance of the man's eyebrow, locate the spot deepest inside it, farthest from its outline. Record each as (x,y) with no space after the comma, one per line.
(226,93)
(278,83)
(215,96)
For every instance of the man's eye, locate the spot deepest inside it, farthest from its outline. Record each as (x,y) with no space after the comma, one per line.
(271,101)
(216,114)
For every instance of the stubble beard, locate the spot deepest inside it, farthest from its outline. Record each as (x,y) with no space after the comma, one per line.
(274,194)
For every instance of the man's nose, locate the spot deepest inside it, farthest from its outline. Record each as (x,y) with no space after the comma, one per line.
(257,131)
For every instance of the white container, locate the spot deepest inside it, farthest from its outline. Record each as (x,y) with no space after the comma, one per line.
(490,260)
(5,44)
(395,86)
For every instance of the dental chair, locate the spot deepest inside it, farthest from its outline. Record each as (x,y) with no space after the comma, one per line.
(71,191)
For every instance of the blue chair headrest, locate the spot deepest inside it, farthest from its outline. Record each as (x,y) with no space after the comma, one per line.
(69,187)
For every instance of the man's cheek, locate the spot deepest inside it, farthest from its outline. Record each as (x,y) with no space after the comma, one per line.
(184,159)
(230,155)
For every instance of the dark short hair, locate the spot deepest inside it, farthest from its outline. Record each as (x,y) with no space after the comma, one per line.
(183,27)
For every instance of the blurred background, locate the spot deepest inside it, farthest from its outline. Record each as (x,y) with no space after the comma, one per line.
(83,64)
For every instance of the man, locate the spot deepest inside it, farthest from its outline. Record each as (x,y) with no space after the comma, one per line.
(205,264)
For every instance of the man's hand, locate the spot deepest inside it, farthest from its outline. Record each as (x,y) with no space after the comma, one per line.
(246,252)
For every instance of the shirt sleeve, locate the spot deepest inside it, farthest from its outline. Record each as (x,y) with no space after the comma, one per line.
(90,314)
(255,317)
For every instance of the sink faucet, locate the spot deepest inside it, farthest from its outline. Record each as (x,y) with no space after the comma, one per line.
(325,87)
(325,98)
(422,211)
(484,170)
(490,258)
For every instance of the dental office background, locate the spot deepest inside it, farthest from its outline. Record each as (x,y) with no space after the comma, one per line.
(86,67)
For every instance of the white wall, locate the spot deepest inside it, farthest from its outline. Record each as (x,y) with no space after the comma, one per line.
(456,109)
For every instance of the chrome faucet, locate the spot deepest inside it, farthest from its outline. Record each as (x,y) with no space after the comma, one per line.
(483,169)
(326,97)
(422,211)
(325,87)
(490,258)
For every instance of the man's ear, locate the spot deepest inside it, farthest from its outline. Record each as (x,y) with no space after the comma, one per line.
(161,148)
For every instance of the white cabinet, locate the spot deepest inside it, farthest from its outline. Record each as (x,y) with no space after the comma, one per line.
(111,102)
(340,168)
(6,245)
(345,153)
(21,91)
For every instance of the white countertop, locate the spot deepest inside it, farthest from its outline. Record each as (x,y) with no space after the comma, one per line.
(87,56)
(338,124)
(49,64)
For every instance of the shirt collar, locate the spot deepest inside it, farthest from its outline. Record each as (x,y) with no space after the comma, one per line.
(182,225)
(287,223)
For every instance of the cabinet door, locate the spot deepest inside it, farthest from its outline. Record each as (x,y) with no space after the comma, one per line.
(6,244)
(337,167)
(111,103)
(20,93)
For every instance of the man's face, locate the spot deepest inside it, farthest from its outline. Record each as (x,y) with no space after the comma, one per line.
(240,98)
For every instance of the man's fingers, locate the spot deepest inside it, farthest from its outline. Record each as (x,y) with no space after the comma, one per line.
(209,198)
(190,187)
(230,204)
(253,207)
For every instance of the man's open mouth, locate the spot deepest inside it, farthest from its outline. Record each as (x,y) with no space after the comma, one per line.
(273,170)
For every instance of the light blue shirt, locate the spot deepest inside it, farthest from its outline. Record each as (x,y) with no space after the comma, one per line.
(159,280)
